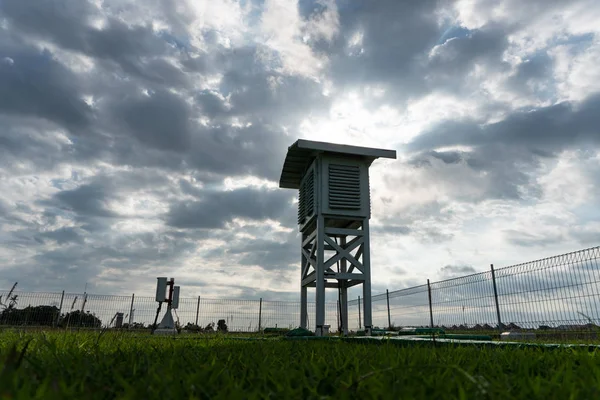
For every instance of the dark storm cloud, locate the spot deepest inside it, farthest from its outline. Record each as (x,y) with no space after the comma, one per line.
(160,129)
(536,70)
(61,20)
(211,104)
(67,23)
(396,37)
(545,129)
(257,150)
(405,50)
(291,99)
(217,208)
(457,56)
(88,200)
(33,83)
(159,120)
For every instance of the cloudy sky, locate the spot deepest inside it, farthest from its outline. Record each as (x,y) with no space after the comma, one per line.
(145,138)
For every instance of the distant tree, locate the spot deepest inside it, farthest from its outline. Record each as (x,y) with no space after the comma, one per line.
(33,316)
(221,326)
(80,319)
(192,327)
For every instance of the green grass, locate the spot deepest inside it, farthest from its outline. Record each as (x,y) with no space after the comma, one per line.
(61,365)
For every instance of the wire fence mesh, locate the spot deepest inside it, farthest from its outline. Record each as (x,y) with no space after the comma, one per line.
(558,293)
(99,311)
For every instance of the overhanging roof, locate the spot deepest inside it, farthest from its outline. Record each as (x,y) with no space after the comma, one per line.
(303,152)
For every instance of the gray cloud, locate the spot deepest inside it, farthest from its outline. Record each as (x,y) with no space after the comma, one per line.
(269,254)
(393,229)
(68,24)
(86,200)
(451,271)
(63,235)
(509,151)
(217,208)
(525,239)
(160,120)
(548,129)
(157,125)
(33,84)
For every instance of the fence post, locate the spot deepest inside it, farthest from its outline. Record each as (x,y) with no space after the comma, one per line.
(260,314)
(197,310)
(430,307)
(82,308)
(387,295)
(131,310)
(62,297)
(359,321)
(496,296)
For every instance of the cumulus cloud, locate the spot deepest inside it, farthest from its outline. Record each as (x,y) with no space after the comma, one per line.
(140,139)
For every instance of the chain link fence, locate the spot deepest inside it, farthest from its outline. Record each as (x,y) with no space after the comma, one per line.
(558,293)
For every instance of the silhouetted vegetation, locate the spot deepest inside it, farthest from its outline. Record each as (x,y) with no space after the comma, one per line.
(38,315)
(221,326)
(80,319)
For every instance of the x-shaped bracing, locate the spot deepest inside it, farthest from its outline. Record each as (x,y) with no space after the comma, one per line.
(344,253)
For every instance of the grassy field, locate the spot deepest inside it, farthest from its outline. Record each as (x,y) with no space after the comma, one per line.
(62,365)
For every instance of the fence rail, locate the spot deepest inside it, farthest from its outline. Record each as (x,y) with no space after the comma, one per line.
(555,293)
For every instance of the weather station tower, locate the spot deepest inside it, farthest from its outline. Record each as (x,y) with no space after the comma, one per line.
(334,209)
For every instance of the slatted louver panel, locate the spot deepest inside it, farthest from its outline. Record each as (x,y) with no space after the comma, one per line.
(306,201)
(301,204)
(344,187)
(310,194)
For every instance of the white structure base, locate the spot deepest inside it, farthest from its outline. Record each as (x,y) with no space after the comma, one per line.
(167,321)
(517,336)
(322,332)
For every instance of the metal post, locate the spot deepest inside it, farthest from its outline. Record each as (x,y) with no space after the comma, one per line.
(320,277)
(197,310)
(260,314)
(343,291)
(170,298)
(430,307)
(366,261)
(82,308)
(303,290)
(387,294)
(303,307)
(131,310)
(496,296)
(62,297)
(359,321)
(337,313)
